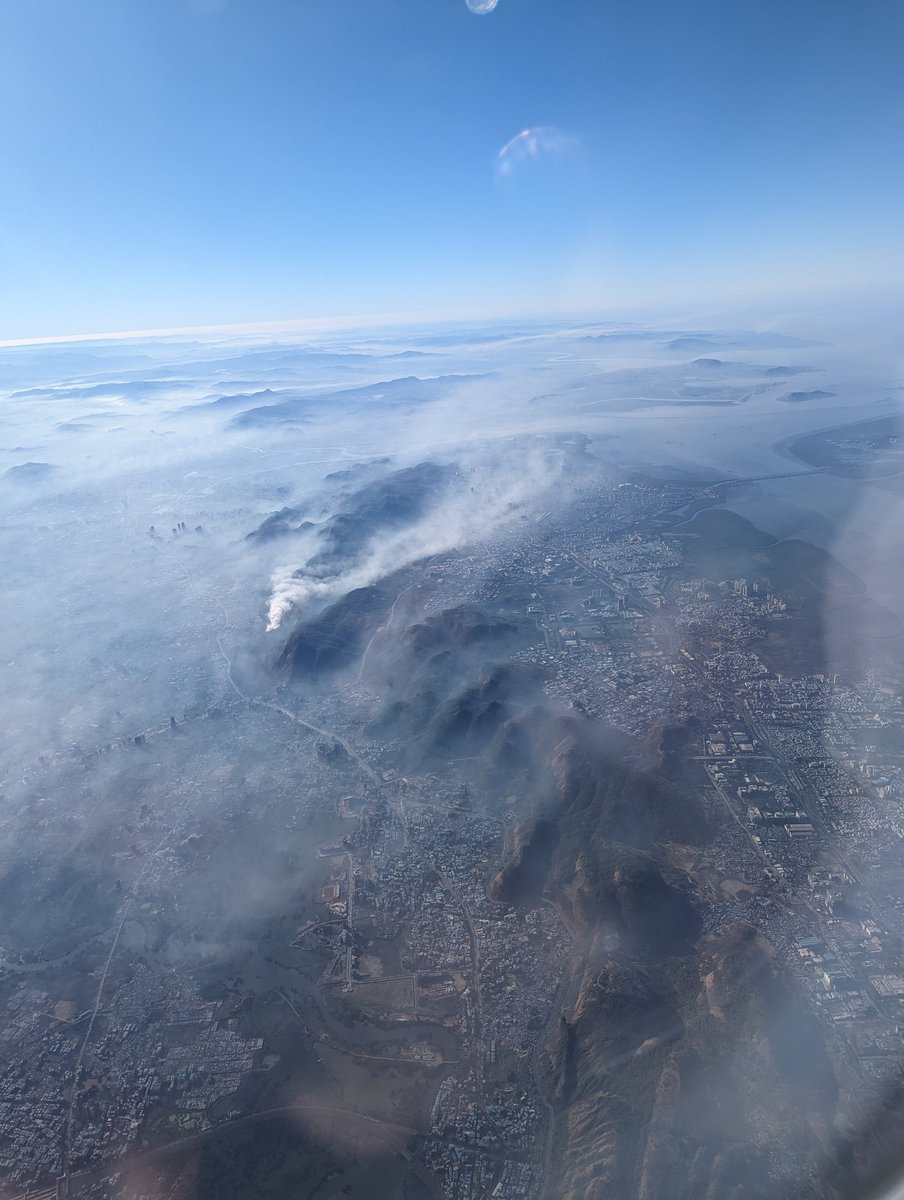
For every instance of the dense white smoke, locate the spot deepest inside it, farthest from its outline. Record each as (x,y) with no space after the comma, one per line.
(488,494)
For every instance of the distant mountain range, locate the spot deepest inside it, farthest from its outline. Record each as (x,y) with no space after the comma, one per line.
(294,407)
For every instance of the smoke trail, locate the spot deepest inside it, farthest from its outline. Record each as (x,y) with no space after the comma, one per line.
(493,493)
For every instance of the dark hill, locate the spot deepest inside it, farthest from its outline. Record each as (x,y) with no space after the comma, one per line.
(356,470)
(500,721)
(336,637)
(391,393)
(29,472)
(667,1076)
(236,400)
(385,505)
(654,918)
(523,877)
(803,397)
(466,724)
(443,695)
(405,718)
(277,525)
(461,626)
(785,372)
(601,797)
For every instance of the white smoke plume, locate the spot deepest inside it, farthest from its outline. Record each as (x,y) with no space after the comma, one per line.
(491,492)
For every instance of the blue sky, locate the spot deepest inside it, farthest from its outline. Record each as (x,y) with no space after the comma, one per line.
(188,162)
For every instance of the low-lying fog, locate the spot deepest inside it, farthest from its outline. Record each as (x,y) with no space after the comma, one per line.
(112,628)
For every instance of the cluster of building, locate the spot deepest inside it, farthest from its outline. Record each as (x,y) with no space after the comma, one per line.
(158,1046)
(414,871)
(33,1047)
(806,767)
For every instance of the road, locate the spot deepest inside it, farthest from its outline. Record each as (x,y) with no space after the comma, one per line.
(68,1128)
(472,936)
(259,702)
(327,733)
